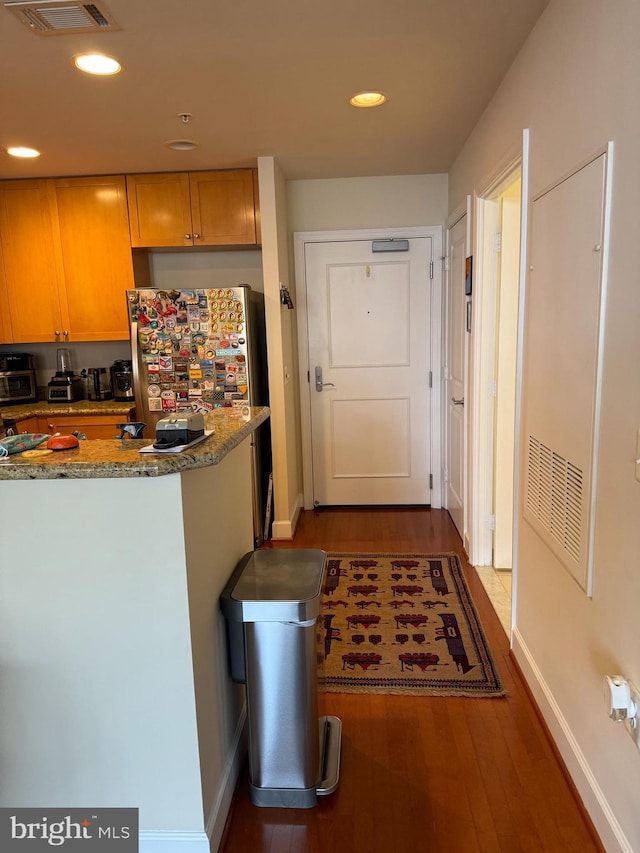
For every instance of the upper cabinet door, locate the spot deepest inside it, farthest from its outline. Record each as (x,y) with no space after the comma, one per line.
(95,257)
(29,265)
(223,208)
(159,210)
(193,209)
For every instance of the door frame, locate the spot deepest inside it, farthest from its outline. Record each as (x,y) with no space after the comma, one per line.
(300,239)
(483,340)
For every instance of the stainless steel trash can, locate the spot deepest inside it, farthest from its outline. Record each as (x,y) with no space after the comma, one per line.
(271,604)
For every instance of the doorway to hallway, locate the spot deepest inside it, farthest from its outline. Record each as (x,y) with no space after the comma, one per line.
(495,342)
(494,357)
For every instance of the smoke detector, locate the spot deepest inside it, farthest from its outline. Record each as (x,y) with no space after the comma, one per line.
(56,17)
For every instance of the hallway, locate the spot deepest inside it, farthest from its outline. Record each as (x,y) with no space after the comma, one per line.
(451,774)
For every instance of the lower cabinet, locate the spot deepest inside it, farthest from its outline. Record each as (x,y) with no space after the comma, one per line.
(30,425)
(93,426)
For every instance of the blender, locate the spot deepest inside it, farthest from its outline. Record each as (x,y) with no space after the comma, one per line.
(64,386)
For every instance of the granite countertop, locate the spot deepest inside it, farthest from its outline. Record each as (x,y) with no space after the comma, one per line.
(122,458)
(81,407)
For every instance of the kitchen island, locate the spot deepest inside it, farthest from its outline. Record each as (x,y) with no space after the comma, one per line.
(115,458)
(112,646)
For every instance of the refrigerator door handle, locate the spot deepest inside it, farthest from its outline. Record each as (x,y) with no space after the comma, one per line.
(135,366)
(319,383)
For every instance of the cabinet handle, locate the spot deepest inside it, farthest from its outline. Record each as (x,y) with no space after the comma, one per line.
(50,426)
(57,333)
(187,236)
(65,334)
(196,236)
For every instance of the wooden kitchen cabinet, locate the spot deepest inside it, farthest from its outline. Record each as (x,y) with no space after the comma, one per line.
(95,256)
(66,259)
(29,272)
(194,209)
(93,426)
(28,425)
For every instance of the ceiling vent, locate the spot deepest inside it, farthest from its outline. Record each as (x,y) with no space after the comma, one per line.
(57,18)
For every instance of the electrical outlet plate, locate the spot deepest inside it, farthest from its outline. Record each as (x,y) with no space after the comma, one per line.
(634,731)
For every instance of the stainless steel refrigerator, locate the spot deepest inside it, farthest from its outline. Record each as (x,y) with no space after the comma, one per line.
(201,350)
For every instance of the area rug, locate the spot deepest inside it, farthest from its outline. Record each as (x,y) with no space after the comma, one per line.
(402,624)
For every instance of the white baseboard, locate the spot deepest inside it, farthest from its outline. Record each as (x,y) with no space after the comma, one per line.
(595,802)
(168,841)
(220,809)
(205,841)
(286,529)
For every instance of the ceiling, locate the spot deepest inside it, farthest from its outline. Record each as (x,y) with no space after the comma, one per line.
(259,78)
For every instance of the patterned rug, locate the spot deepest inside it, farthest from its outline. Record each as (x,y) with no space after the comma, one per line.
(403,624)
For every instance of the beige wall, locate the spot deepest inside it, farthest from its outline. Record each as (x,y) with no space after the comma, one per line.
(204,269)
(575,85)
(379,202)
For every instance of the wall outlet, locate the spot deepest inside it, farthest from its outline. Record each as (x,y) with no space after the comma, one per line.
(634,730)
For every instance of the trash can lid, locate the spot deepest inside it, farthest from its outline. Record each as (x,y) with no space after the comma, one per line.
(276,585)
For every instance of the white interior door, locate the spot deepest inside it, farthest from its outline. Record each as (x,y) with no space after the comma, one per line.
(369,356)
(454,372)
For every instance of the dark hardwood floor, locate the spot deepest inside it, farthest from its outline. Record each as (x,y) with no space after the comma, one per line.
(424,773)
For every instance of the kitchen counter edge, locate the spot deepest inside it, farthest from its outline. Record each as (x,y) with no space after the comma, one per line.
(102,459)
(23,411)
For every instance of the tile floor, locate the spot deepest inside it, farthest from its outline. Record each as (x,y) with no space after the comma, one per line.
(498,587)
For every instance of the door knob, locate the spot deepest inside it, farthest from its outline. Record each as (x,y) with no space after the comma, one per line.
(459,402)
(319,383)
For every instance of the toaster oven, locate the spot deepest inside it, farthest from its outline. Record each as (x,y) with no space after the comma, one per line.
(17,379)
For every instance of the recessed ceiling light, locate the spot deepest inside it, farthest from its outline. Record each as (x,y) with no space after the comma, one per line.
(97,63)
(367,99)
(21,151)
(181,144)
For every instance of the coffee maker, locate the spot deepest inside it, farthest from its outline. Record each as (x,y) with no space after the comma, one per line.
(122,381)
(65,385)
(98,384)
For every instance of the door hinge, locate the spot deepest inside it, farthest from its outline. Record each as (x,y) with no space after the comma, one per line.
(493,388)
(446,263)
(431,481)
(308,376)
(492,522)
(445,475)
(431,379)
(498,242)
(430,269)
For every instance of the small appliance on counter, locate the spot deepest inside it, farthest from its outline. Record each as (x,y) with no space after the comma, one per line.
(65,385)
(17,379)
(122,381)
(179,429)
(98,384)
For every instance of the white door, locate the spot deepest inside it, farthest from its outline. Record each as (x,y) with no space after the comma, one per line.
(454,372)
(369,357)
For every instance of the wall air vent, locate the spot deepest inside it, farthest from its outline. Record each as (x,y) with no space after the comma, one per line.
(55,17)
(554,498)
